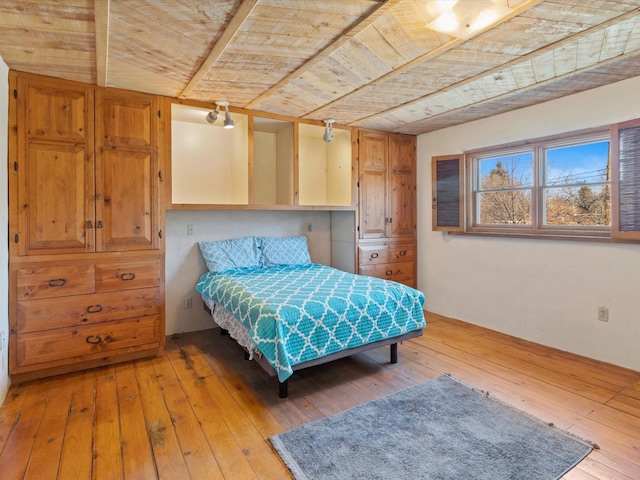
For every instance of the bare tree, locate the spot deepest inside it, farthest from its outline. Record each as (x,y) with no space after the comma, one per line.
(504,200)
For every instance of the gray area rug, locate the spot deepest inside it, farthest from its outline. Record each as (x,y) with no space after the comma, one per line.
(440,429)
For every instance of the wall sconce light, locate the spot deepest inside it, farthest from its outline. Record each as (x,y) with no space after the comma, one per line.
(328,130)
(212,116)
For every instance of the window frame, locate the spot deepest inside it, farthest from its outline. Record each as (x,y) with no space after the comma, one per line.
(537,148)
(608,233)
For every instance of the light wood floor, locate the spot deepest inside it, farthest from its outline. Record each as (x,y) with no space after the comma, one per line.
(202,412)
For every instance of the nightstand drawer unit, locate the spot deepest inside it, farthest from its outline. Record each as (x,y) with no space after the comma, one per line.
(389,260)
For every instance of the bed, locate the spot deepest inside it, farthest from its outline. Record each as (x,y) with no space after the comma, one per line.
(289,313)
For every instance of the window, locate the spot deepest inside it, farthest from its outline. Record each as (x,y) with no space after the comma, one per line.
(577,184)
(503,189)
(582,185)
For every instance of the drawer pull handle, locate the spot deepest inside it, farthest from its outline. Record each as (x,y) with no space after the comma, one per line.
(94,308)
(402,253)
(94,339)
(57,282)
(389,272)
(125,277)
(374,255)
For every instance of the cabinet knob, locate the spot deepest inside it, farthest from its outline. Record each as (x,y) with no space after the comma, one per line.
(389,272)
(402,253)
(94,339)
(374,255)
(125,277)
(57,282)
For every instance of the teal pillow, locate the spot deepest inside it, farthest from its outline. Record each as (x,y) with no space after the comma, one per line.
(284,251)
(223,255)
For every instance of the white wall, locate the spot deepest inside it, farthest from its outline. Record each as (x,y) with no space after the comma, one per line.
(4,220)
(184,264)
(541,290)
(264,168)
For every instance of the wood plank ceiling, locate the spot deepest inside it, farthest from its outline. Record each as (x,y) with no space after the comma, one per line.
(365,63)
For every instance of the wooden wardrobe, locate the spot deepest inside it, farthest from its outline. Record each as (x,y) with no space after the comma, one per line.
(387,220)
(86,267)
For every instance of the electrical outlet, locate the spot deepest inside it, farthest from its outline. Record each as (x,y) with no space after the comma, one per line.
(188,302)
(191,230)
(603,314)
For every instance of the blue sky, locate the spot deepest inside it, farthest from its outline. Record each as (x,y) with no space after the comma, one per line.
(573,164)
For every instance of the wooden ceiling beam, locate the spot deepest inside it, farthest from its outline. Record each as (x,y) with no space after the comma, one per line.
(101,19)
(241,15)
(420,125)
(380,10)
(421,59)
(519,61)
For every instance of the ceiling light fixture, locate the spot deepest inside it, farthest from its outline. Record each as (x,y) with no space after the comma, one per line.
(212,116)
(328,130)
(464,18)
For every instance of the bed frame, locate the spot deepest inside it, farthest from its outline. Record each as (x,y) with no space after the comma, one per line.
(283,387)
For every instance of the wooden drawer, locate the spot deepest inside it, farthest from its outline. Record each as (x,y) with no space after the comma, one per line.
(67,345)
(119,276)
(402,252)
(410,282)
(48,313)
(390,271)
(373,254)
(54,281)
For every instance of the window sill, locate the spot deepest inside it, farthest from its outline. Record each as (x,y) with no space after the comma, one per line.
(601,238)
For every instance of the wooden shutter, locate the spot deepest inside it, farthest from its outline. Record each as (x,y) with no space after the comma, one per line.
(447,173)
(625,181)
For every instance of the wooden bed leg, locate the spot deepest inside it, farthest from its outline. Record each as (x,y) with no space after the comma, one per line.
(394,353)
(283,390)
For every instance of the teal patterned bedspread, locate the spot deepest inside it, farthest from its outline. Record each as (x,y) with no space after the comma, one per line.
(296,313)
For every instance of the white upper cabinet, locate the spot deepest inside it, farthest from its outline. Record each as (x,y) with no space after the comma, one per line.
(324,167)
(263,162)
(208,162)
(273,162)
